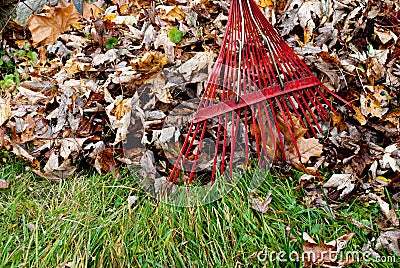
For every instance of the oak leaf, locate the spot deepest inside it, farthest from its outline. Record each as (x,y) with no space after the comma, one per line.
(47,26)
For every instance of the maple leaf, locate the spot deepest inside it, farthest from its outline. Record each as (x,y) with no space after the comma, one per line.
(47,26)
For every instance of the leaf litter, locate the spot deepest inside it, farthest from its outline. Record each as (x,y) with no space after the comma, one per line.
(79,100)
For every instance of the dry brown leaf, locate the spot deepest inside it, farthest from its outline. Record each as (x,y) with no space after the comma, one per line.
(389,213)
(265,3)
(29,132)
(171,13)
(158,87)
(71,145)
(342,182)
(4,184)
(119,113)
(384,35)
(55,168)
(46,27)
(106,160)
(389,241)
(298,130)
(308,148)
(325,254)
(5,110)
(261,206)
(91,10)
(48,176)
(375,69)
(359,116)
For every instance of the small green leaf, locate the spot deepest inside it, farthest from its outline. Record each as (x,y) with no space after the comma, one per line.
(33,55)
(175,35)
(1,62)
(111,43)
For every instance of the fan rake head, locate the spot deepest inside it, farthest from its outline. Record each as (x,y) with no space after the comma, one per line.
(257,91)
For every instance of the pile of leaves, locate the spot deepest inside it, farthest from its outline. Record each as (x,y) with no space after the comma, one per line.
(76,86)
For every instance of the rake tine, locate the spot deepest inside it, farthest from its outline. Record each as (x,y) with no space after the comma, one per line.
(216,148)
(246,138)
(288,126)
(225,144)
(255,131)
(310,111)
(263,138)
(267,115)
(319,104)
(282,97)
(175,169)
(327,101)
(196,157)
(297,113)
(315,105)
(277,127)
(306,116)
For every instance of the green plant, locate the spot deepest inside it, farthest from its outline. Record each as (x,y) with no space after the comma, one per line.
(33,56)
(175,35)
(8,80)
(111,43)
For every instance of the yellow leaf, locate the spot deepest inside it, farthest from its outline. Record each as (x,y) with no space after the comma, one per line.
(110,17)
(359,116)
(77,25)
(266,3)
(124,8)
(21,43)
(47,26)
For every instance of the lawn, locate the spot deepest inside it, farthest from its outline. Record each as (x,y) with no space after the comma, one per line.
(87,220)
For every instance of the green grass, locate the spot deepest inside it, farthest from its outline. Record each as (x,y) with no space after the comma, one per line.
(86,221)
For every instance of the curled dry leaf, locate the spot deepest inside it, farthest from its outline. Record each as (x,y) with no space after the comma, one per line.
(119,113)
(5,110)
(47,26)
(132,200)
(261,206)
(4,184)
(388,161)
(91,11)
(389,213)
(106,162)
(325,254)
(344,182)
(389,241)
(308,148)
(171,13)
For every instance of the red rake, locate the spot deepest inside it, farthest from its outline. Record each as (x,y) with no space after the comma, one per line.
(256,78)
